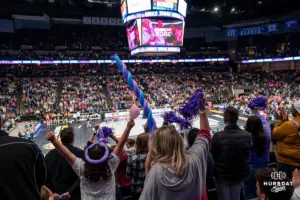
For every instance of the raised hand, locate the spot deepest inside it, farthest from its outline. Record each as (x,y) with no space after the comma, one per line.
(284,115)
(130,124)
(97,125)
(278,115)
(50,137)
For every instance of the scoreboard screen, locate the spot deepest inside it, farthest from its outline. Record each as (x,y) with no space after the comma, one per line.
(138,5)
(154,27)
(182,6)
(124,9)
(165,5)
(161,32)
(133,35)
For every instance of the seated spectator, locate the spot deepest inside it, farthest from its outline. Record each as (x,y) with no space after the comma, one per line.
(231,151)
(286,133)
(177,173)
(65,182)
(23,169)
(260,132)
(136,165)
(96,181)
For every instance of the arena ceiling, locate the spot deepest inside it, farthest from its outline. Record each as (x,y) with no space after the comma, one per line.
(244,9)
(200,12)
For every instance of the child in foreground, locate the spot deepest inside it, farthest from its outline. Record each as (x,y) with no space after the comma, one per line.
(97,181)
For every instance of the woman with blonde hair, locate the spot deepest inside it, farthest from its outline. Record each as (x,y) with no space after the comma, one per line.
(46,193)
(177,173)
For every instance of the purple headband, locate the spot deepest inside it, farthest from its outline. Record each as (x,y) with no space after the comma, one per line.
(102,142)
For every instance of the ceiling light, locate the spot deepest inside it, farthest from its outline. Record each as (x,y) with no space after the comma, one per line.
(260,2)
(216,9)
(233,9)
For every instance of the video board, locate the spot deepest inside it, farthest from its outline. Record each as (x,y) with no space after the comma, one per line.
(138,5)
(182,7)
(133,34)
(161,32)
(124,9)
(165,5)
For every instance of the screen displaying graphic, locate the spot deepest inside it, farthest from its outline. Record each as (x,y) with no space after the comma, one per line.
(165,5)
(138,5)
(157,32)
(133,34)
(124,9)
(182,6)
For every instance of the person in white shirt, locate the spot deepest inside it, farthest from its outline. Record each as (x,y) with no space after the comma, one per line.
(97,181)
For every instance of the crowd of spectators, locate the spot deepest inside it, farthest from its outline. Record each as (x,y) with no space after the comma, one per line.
(8,100)
(39,95)
(280,87)
(137,169)
(169,90)
(85,94)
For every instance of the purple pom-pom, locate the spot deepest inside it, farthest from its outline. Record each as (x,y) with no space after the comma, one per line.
(191,109)
(258,102)
(105,132)
(171,117)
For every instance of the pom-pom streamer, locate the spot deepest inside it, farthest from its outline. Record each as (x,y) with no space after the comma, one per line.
(171,117)
(258,102)
(191,109)
(105,132)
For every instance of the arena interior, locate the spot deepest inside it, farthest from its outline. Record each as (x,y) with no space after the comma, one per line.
(186,99)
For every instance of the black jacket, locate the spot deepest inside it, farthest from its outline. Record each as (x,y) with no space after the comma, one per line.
(64,178)
(22,168)
(231,151)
